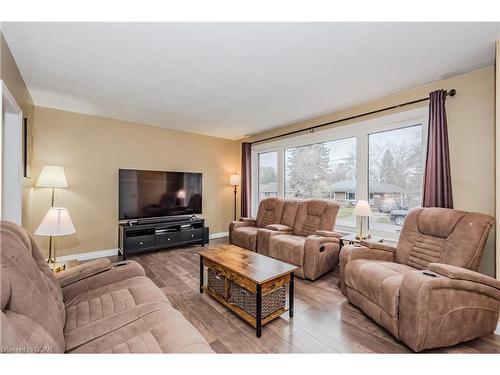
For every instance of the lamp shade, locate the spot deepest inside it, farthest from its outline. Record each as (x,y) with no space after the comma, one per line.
(52,176)
(56,222)
(362,209)
(235,180)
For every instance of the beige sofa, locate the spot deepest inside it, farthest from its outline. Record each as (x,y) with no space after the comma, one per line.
(96,307)
(295,231)
(425,291)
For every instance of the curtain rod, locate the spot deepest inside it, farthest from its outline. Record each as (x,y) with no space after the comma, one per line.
(311,129)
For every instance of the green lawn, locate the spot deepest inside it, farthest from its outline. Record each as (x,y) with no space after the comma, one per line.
(345,211)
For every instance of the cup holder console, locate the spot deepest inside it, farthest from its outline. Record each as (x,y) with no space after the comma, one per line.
(120,264)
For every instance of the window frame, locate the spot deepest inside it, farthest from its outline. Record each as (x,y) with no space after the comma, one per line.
(347,195)
(361,131)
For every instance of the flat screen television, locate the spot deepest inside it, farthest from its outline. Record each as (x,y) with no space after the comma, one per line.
(147,194)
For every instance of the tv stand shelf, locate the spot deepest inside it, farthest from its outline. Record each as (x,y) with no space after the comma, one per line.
(138,238)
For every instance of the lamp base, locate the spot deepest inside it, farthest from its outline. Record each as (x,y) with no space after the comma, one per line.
(56,267)
(361,236)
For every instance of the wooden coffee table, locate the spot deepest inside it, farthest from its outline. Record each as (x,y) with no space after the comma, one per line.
(258,278)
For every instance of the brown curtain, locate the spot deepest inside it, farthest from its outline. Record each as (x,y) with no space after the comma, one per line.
(437,178)
(246,179)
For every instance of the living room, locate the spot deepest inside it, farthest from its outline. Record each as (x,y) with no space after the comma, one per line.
(225,188)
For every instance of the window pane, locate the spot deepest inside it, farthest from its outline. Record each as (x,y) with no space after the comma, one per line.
(395,176)
(268,179)
(324,170)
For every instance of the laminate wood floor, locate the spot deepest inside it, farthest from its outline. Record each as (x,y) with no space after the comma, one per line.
(324,321)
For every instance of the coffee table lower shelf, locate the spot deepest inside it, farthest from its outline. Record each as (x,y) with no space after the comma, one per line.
(259,290)
(242,313)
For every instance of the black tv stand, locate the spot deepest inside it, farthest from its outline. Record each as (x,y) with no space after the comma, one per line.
(160,234)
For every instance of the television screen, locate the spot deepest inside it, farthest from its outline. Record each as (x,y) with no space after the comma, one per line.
(144,194)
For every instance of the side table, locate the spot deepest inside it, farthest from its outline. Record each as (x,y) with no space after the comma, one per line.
(350,239)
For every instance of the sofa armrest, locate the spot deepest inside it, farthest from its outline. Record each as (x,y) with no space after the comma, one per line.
(436,310)
(459,273)
(321,254)
(250,220)
(352,252)
(279,228)
(327,233)
(378,245)
(119,271)
(238,224)
(82,271)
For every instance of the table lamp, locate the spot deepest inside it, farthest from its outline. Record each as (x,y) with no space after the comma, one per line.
(362,210)
(56,222)
(235,180)
(52,176)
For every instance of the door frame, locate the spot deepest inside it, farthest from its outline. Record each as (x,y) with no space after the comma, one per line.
(16,110)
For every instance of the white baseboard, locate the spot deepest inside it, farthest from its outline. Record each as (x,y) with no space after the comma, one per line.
(218,235)
(111,252)
(87,256)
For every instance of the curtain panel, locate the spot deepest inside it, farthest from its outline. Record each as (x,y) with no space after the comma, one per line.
(246,179)
(437,178)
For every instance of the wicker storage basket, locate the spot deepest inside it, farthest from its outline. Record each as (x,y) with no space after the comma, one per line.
(216,282)
(245,299)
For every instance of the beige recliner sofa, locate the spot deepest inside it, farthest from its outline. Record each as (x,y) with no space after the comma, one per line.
(96,307)
(425,290)
(295,231)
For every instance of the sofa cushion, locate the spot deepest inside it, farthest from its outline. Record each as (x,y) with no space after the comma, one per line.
(379,281)
(290,209)
(315,214)
(438,223)
(99,311)
(245,237)
(374,287)
(288,248)
(269,212)
(164,330)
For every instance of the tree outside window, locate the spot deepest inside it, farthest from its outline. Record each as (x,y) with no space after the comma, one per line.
(324,170)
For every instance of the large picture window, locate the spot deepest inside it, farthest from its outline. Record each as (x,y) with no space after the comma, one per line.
(378,160)
(394,176)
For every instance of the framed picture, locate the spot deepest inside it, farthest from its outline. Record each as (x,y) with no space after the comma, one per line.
(27,147)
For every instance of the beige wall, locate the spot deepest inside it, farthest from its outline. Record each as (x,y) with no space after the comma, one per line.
(471,127)
(92,149)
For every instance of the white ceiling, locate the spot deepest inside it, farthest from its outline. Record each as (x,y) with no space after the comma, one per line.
(235,79)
